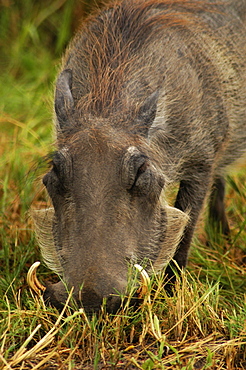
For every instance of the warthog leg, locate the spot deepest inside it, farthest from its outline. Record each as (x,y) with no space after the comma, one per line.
(217,214)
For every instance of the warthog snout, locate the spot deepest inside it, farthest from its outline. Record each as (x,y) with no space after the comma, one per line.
(90,295)
(101,280)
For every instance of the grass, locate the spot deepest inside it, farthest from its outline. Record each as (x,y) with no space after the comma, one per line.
(203,326)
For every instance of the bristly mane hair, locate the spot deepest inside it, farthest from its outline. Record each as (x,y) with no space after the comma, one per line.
(108,44)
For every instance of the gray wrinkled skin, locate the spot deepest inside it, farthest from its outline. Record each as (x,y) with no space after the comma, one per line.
(149,94)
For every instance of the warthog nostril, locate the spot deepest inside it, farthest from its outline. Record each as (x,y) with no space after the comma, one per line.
(56,295)
(92,300)
(113,303)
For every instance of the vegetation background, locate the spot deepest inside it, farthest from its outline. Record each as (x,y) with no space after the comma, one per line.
(203,326)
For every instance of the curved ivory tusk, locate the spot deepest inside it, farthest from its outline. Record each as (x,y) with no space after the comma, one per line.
(32,279)
(144,279)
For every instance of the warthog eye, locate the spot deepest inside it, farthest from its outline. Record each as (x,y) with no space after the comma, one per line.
(138,175)
(141,165)
(57,178)
(57,164)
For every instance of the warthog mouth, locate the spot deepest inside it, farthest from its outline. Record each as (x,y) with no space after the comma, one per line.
(38,288)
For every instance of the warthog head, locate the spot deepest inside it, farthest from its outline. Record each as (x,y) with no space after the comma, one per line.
(105,185)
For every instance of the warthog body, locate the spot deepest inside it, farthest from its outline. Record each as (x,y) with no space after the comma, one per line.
(151,92)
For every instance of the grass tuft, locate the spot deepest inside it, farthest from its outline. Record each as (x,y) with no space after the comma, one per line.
(192,328)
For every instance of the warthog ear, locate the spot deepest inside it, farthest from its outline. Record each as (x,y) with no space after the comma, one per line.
(147,113)
(64,103)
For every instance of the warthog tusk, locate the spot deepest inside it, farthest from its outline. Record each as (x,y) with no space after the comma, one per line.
(144,279)
(32,279)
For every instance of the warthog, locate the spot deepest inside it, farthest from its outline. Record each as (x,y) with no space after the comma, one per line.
(151,92)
